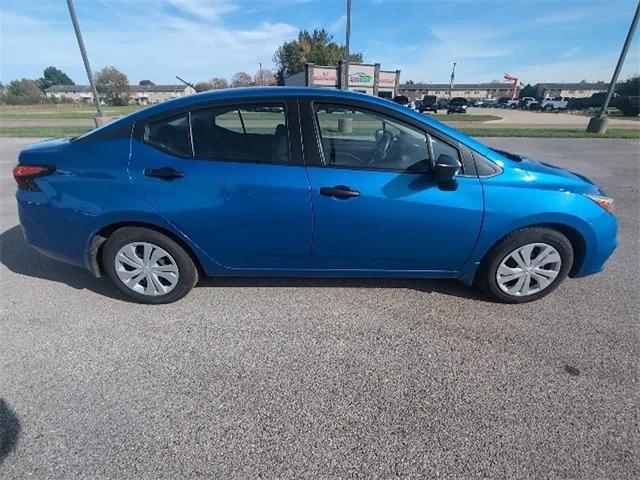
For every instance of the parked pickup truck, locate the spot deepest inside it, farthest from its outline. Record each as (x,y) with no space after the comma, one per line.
(524,102)
(507,103)
(555,103)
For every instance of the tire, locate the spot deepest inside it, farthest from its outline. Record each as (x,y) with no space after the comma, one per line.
(548,108)
(175,271)
(487,276)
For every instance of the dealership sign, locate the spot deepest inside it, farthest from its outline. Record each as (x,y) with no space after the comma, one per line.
(361,75)
(387,79)
(325,76)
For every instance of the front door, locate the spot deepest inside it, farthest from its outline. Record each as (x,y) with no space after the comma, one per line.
(232,179)
(375,204)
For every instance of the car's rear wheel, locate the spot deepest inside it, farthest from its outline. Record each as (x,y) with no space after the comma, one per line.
(526,265)
(148,266)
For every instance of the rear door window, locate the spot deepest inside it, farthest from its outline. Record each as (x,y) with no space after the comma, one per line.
(250,133)
(170,135)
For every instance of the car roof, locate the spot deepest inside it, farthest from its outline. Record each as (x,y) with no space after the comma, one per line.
(248,93)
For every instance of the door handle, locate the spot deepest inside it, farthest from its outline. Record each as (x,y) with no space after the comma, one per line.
(339,191)
(166,173)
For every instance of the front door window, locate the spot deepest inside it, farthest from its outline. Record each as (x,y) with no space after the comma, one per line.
(355,138)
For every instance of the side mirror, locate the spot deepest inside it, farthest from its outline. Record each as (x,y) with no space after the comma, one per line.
(446,169)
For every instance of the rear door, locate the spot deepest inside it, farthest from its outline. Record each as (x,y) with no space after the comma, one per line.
(231,178)
(376,206)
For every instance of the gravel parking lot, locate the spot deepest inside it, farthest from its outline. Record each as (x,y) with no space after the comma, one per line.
(289,378)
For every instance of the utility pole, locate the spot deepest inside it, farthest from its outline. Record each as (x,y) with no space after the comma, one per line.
(100,119)
(348,30)
(598,124)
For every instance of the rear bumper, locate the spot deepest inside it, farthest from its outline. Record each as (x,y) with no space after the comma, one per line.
(46,231)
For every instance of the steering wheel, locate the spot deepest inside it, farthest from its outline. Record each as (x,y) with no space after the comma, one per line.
(383,141)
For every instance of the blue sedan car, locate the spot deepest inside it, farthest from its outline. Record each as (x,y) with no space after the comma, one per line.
(305,182)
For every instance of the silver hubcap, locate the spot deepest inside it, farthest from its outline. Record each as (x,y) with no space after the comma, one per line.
(146,268)
(528,269)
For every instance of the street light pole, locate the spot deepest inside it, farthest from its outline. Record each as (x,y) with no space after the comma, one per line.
(598,124)
(85,59)
(348,30)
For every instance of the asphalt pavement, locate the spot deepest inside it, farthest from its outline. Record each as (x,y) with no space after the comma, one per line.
(303,378)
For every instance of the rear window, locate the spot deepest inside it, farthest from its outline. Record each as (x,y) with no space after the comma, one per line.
(170,135)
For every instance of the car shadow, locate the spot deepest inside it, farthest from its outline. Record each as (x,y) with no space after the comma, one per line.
(20,258)
(9,430)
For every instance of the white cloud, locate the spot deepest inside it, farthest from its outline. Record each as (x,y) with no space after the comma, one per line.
(147,43)
(571,52)
(206,9)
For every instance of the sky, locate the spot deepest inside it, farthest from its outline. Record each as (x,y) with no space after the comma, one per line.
(537,41)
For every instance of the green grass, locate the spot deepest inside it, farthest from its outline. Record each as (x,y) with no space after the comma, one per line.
(65,113)
(42,132)
(51,132)
(548,133)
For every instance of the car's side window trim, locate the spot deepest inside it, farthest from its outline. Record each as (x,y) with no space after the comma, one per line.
(427,132)
(193,152)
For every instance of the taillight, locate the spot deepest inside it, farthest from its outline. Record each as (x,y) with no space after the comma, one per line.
(26,174)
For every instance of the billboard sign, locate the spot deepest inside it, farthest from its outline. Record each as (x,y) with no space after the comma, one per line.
(387,79)
(361,75)
(325,76)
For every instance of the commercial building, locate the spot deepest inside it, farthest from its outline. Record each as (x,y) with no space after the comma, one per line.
(572,90)
(466,90)
(499,90)
(357,77)
(142,94)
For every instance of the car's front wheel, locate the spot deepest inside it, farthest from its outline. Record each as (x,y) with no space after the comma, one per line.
(526,265)
(148,266)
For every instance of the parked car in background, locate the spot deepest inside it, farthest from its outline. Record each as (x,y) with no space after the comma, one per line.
(443,103)
(273,182)
(524,102)
(401,100)
(489,102)
(507,103)
(534,106)
(457,105)
(629,105)
(555,103)
(429,103)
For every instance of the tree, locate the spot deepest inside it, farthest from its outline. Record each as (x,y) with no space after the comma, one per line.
(631,86)
(23,92)
(218,83)
(114,85)
(53,76)
(264,77)
(203,86)
(317,47)
(241,79)
(527,91)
